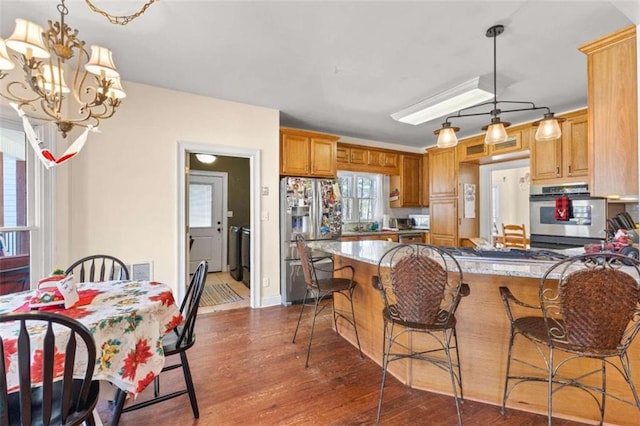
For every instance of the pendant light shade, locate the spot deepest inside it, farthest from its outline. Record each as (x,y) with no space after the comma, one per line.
(447,136)
(496,131)
(548,128)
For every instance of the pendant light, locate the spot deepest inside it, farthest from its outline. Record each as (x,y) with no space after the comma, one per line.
(548,127)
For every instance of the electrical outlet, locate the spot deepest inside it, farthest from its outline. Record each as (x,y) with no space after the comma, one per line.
(265,215)
(265,282)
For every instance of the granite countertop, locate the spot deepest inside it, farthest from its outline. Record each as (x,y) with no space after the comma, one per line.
(380,232)
(372,251)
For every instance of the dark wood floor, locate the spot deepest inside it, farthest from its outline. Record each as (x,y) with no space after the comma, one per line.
(247,372)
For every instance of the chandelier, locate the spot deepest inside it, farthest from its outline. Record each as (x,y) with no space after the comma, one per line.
(46,58)
(548,127)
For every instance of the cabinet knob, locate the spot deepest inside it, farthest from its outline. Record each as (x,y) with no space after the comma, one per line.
(558,171)
(569,169)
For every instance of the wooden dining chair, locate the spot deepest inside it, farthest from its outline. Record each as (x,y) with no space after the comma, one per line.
(177,342)
(514,236)
(62,394)
(98,267)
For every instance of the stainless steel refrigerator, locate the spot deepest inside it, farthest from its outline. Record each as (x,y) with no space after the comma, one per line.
(311,207)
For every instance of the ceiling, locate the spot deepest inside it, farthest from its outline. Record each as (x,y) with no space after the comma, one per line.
(343,67)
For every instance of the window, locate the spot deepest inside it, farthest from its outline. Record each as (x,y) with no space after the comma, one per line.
(360,195)
(26,210)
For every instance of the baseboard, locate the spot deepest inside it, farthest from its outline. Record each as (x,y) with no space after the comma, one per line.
(271,301)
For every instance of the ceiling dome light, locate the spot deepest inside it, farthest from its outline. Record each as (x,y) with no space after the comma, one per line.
(206,158)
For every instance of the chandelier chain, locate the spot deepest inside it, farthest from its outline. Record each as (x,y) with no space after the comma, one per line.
(120,20)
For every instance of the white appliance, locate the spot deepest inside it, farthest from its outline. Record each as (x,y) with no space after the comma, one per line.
(420,221)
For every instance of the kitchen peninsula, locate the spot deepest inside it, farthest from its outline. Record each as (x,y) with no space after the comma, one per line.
(483,331)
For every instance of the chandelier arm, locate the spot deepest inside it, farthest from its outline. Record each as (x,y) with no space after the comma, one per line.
(120,20)
(461,113)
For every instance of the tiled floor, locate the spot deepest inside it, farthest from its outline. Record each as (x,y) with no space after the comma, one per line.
(237,286)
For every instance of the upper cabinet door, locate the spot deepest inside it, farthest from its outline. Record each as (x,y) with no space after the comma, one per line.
(294,155)
(323,157)
(575,145)
(304,153)
(546,158)
(443,179)
(612,81)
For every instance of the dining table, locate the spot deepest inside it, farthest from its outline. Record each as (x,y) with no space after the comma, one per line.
(127,319)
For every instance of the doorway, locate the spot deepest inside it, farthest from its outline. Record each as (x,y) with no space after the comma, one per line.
(508,203)
(186,152)
(207,202)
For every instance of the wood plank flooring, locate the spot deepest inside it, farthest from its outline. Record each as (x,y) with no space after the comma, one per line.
(247,372)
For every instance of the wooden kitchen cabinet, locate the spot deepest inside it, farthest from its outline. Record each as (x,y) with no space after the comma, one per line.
(425,181)
(443,176)
(358,158)
(612,98)
(408,182)
(305,153)
(388,160)
(472,148)
(564,159)
(515,142)
(444,222)
(372,236)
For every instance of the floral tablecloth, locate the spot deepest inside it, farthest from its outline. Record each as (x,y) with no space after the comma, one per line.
(127,319)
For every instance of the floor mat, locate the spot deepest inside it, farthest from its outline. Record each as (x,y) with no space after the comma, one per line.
(218,294)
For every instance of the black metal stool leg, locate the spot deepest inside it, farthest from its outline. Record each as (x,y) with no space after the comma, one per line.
(304,302)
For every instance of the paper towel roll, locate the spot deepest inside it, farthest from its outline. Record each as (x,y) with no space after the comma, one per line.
(385,221)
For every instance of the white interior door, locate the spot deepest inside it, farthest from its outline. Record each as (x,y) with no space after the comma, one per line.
(206,221)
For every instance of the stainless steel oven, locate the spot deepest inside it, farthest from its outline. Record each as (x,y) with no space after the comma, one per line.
(586,224)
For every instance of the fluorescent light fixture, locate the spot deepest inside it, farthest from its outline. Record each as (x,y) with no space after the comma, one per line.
(469,93)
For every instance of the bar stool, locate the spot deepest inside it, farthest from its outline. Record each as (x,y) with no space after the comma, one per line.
(421,287)
(588,308)
(319,289)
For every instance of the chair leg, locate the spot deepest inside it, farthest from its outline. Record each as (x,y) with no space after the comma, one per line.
(455,341)
(121,397)
(189,381)
(447,350)
(506,377)
(313,326)
(603,398)
(550,388)
(386,349)
(304,302)
(156,386)
(355,327)
(626,369)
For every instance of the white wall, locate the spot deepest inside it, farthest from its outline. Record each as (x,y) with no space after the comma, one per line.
(119,195)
